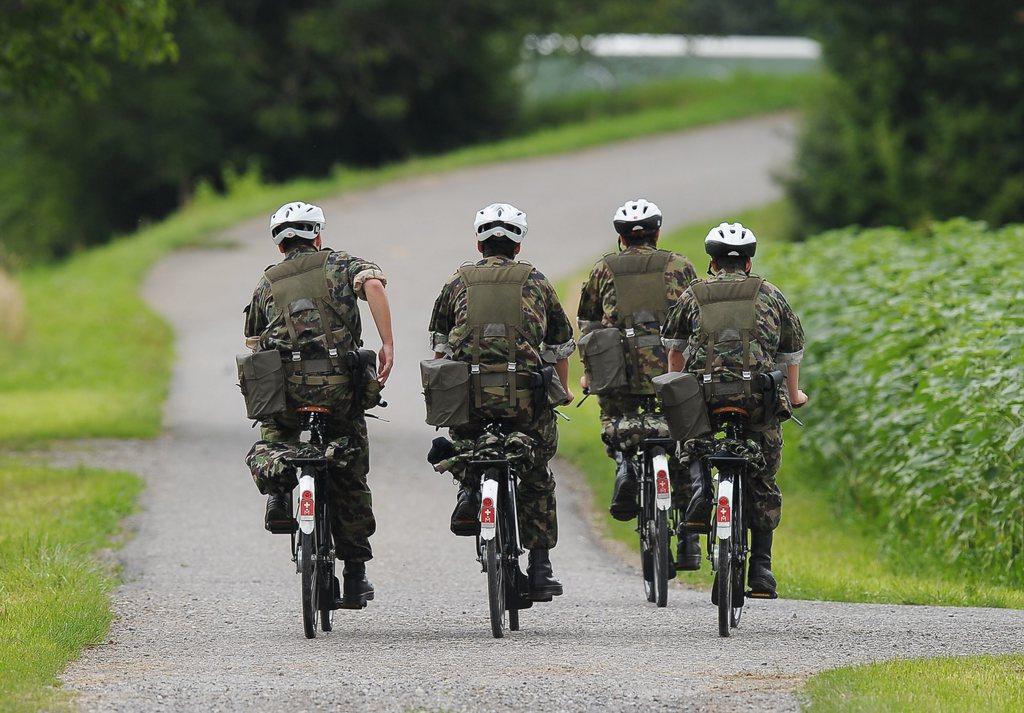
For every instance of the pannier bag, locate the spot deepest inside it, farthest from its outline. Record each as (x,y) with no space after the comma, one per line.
(604,361)
(446,391)
(365,385)
(682,402)
(262,381)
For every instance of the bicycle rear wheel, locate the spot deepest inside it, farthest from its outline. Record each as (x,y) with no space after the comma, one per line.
(660,557)
(310,586)
(325,577)
(496,586)
(723,586)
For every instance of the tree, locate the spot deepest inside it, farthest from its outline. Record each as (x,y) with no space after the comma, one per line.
(52,46)
(923,117)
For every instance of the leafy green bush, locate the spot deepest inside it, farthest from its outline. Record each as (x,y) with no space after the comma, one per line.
(924,119)
(916,369)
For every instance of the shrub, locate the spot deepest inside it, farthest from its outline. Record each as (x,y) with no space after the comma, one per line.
(924,118)
(915,364)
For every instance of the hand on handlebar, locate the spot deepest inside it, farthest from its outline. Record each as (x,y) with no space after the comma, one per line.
(799,399)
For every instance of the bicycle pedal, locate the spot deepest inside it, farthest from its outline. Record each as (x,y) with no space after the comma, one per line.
(281,527)
(762,595)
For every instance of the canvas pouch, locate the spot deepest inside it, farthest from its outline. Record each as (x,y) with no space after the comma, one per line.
(604,361)
(682,402)
(446,391)
(262,381)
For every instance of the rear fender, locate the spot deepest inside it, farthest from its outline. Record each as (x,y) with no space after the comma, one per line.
(723,510)
(488,509)
(662,484)
(305,509)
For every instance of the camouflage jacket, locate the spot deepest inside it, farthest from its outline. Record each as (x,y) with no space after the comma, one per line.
(264,325)
(779,340)
(548,331)
(598,306)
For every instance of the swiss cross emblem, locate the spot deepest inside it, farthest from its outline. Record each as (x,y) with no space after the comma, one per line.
(723,510)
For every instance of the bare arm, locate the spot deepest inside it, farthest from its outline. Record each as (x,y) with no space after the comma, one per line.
(676,362)
(796,396)
(562,369)
(380,309)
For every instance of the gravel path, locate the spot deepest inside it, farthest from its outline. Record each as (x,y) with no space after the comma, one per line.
(208,617)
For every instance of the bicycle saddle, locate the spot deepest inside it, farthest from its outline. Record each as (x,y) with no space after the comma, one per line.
(313,409)
(724,410)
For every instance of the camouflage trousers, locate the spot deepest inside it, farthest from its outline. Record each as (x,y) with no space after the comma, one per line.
(351,505)
(538,521)
(762,497)
(616,408)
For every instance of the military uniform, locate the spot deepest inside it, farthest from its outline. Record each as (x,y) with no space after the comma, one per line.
(778,342)
(545,336)
(265,328)
(599,307)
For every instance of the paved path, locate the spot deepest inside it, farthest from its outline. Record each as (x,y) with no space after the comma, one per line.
(208,617)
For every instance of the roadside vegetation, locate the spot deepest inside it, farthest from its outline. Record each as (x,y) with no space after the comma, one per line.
(865,504)
(53,591)
(979,683)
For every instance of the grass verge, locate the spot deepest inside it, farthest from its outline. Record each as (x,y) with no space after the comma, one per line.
(53,593)
(977,683)
(820,552)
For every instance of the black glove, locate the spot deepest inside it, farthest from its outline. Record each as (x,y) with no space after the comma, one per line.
(440,449)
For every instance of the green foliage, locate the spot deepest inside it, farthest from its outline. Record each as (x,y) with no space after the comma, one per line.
(48,47)
(978,683)
(915,364)
(53,594)
(924,117)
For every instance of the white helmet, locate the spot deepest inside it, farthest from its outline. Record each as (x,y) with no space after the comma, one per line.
(730,239)
(500,220)
(637,216)
(296,220)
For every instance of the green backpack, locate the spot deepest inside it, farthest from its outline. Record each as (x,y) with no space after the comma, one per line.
(728,324)
(624,358)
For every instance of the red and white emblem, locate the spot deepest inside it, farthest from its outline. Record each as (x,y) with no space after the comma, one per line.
(724,510)
(487,512)
(306,505)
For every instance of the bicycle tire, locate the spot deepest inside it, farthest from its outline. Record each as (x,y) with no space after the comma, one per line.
(495,588)
(325,577)
(723,585)
(646,563)
(309,584)
(660,557)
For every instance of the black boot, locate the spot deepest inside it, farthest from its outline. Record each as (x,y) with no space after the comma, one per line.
(697,517)
(356,589)
(624,506)
(688,553)
(279,513)
(466,515)
(543,585)
(760,578)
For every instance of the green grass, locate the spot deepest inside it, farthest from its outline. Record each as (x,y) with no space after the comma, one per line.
(979,683)
(820,551)
(95,361)
(53,593)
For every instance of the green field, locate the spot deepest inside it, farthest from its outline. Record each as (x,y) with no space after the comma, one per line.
(53,591)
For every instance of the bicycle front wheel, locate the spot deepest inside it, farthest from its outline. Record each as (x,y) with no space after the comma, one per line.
(310,585)
(495,588)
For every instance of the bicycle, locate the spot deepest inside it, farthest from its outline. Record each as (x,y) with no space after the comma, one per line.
(311,540)
(647,465)
(498,543)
